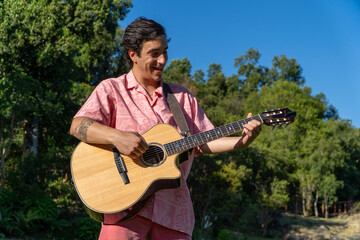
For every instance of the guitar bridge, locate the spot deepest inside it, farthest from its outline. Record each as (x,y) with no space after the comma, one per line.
(120,165)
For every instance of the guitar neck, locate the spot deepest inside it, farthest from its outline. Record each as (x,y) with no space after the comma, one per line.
(208,136)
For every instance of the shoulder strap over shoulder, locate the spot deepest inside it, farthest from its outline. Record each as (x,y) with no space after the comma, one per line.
(176,110)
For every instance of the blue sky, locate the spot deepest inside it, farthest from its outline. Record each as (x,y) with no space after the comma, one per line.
(322,35)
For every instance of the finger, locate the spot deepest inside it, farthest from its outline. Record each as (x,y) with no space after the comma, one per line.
(247,131)
(252,128)
(138,152)
(142,149)
(144,144)
(256,125)
(134,156)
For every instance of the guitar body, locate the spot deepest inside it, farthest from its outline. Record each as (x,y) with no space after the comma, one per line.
(101,187)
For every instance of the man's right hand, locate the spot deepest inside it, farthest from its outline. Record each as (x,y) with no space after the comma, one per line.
(131,144)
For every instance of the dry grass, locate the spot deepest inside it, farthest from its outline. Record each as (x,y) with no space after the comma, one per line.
(343,227)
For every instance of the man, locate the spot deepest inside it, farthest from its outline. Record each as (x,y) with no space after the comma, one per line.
(121,109)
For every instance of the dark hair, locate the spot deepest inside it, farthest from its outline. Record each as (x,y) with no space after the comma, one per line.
(139,31)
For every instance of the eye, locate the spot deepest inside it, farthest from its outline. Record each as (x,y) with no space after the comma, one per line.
(156,54)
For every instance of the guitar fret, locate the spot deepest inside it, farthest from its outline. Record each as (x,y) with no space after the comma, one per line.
(236,127)
(193,139)
(176,145)
(217,136)
(172,148)
(191,142)
(224,130)
(167,149)
(240,126)
(205,136)
(187,142)
(208,136)
(229,128)
(183,145)
(213,134)
(220,132)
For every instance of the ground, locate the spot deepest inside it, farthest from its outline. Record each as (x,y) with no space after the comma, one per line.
(343,227)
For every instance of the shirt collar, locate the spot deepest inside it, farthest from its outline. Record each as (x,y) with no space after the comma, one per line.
(132,83)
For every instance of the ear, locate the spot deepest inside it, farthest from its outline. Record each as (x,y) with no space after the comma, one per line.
(133,55)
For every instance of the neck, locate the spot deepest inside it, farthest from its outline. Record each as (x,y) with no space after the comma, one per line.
(149,85)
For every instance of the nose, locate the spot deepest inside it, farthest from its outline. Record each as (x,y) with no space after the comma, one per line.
(162,59)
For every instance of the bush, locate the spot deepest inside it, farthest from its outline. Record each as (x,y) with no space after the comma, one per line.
(87,228)
(31,215)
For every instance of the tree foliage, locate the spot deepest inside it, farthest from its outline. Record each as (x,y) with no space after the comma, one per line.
(50,54)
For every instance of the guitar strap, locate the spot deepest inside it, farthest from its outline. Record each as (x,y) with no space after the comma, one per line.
(176,111)
(179,118)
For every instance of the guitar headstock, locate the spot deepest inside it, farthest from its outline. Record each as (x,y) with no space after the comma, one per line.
(278,117)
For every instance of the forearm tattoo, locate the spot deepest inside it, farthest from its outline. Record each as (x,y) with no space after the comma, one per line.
(83,128)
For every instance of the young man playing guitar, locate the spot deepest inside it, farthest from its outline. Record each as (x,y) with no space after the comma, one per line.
(121,109)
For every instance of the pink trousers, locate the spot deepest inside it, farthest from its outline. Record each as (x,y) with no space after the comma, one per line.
(139,228)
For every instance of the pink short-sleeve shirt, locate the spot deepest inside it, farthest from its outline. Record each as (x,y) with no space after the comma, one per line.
(122,103)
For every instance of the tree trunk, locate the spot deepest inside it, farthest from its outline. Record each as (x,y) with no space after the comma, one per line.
(205,218)
(303,200)
(4,152)
(2,169)
(35,136)
(266,222)
(309,199)
(316,202)
(31,137)
(326,198)
(296,204)
(308,203)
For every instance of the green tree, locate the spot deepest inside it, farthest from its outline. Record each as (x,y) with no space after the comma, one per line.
(277,198)
(178,71)
(327,191)
(50,51)
(296,143)
(251,75)
(286,70)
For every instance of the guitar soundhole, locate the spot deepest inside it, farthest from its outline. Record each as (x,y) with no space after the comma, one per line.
(153,157)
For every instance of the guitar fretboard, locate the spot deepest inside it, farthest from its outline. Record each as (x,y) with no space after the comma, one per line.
(208,136)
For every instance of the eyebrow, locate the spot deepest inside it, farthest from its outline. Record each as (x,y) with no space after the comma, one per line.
(156,49)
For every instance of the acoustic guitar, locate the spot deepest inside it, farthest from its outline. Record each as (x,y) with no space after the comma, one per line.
(109,182)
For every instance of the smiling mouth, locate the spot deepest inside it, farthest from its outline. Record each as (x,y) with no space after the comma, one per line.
(158,69)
